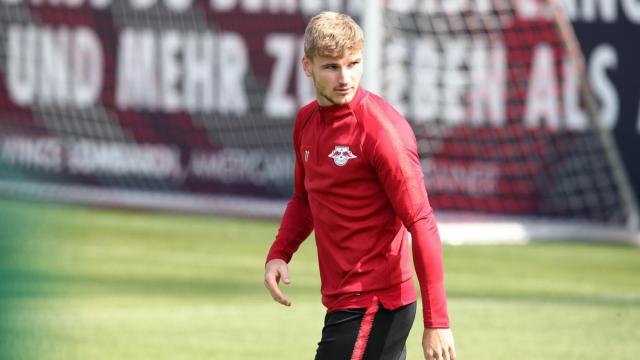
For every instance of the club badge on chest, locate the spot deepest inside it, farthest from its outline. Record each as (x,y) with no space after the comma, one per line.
(341,155)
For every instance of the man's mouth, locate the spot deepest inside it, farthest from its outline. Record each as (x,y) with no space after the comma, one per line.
(343,90)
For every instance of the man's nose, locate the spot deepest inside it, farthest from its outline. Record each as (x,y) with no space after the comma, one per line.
(345,76)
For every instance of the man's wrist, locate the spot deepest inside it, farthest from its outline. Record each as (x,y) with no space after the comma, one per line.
(437,324)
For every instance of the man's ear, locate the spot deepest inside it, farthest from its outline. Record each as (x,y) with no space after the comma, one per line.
(306,65)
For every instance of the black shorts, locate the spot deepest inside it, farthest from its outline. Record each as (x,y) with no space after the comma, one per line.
(374,333)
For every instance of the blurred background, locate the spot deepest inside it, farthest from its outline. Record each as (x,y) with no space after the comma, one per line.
(145,159)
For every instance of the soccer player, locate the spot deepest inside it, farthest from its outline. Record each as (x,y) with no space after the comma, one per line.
(359,184)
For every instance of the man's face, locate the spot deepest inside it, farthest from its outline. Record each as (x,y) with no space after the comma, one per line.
(335,79)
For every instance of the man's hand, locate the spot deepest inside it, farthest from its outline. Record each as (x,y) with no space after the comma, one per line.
(275,270)
(438,344)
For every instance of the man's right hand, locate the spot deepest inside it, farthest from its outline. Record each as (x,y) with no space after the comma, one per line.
(275,270)
(438,344)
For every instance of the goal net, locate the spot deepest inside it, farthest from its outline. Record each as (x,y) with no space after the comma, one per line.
(500,103)
(188,105)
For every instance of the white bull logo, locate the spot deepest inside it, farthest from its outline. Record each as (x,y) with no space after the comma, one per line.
(341,154)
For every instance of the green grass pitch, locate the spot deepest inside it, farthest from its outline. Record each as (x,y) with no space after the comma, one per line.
(81,283)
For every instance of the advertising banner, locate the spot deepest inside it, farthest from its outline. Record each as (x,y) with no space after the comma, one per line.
(199,96)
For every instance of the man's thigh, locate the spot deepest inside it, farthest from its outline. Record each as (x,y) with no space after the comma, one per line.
(366,334)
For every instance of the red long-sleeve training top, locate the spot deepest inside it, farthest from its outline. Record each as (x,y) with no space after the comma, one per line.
(359,184)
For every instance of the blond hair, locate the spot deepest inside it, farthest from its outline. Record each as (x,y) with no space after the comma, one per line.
(332,34)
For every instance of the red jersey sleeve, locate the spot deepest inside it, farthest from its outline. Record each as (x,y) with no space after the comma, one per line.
(297,223)
(394,155)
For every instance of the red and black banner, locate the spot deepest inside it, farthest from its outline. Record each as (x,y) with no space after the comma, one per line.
(198,96)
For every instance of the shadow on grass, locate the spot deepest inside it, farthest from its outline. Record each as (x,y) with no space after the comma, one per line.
(561,299)
(29,284)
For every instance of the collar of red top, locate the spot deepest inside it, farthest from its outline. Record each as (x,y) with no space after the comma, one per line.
(338,111)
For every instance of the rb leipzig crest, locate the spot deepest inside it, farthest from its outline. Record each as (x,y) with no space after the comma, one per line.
(341,155)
